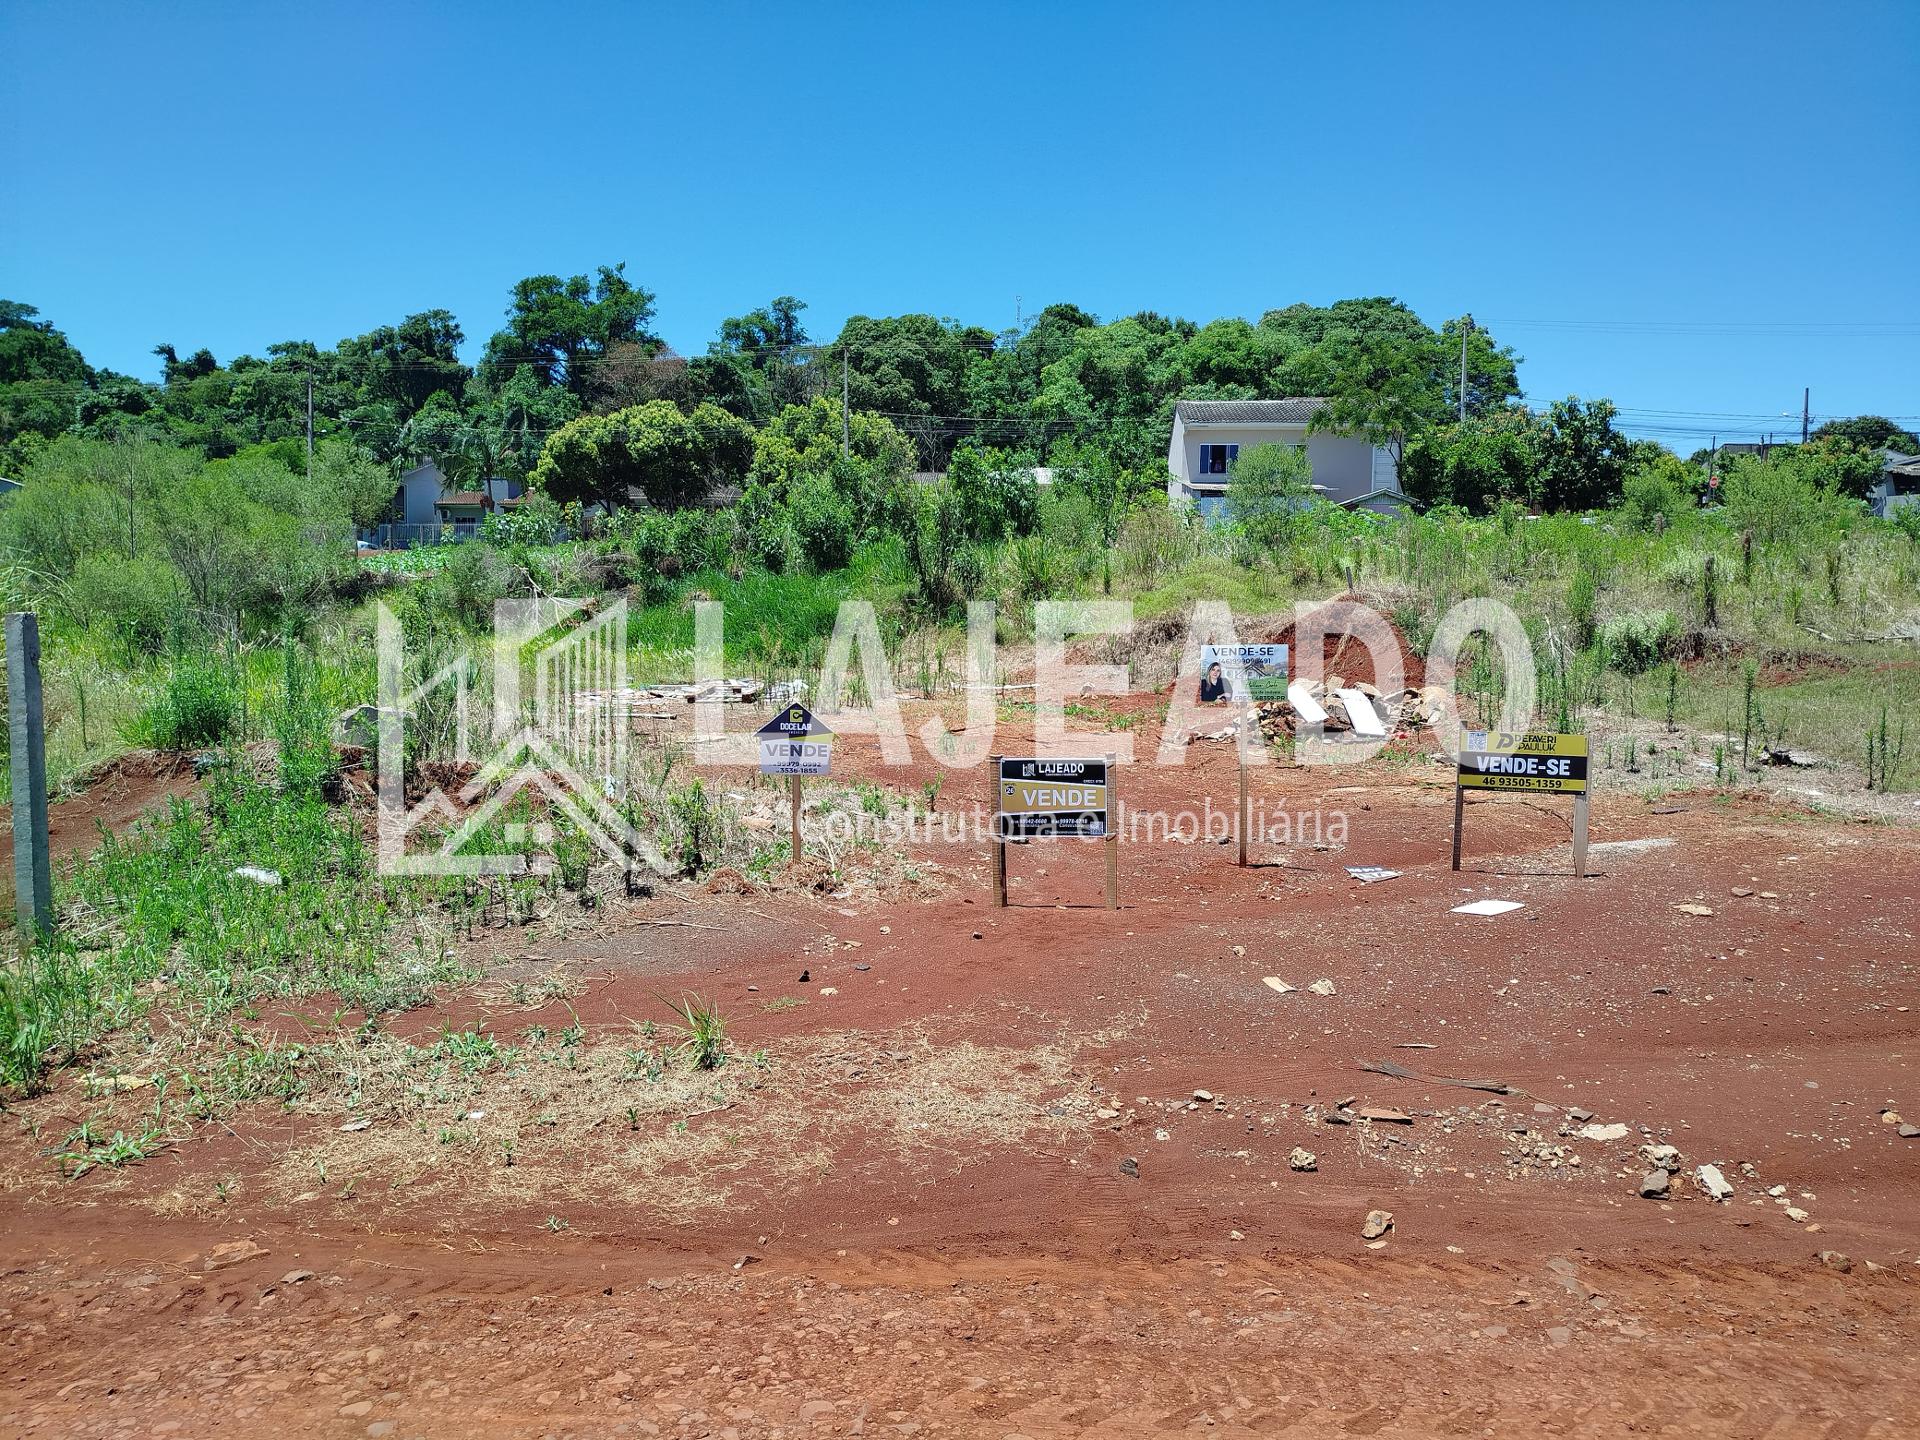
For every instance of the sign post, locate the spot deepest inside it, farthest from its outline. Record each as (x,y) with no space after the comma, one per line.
(1244,673)
(1054,799)
(795,743)
(1535,763)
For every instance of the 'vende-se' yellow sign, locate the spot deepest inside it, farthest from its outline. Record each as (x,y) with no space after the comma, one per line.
(1538,760)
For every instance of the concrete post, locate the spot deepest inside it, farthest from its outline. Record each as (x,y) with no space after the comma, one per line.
(32,881)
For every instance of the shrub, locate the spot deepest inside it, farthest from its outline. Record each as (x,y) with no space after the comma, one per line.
(995,494)
(1268,494)
(196,708)
(140,598)
(1662,489)
(1779,500)
(823,524)
(1636,642)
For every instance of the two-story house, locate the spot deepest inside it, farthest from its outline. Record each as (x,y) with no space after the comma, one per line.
(1208,436)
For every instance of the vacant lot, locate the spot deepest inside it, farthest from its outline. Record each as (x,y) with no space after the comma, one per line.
(1037,1171)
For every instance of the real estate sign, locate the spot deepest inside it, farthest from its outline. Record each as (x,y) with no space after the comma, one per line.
(794,742)
(1044,799)
(1534,761)
(1243,672)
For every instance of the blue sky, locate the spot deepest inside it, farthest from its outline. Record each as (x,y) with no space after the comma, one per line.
(1695,209)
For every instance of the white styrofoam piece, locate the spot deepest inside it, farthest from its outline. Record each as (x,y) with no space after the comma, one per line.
(1487,907)
(1304,705)
(1361,714)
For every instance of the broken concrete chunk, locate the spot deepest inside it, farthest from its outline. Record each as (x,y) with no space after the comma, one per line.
(1712,1182)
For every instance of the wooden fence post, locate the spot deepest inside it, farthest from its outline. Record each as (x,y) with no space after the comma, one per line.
(1111,844)
(999,841)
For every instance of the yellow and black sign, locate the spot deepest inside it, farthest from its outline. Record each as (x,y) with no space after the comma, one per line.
(1536,761)
(1049,798)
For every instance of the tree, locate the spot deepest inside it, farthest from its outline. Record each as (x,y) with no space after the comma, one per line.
(903,365)
(403,366)
(1383,387)
(1268,491)
(352,481)
(562,328)
(1492,458)
(1583,459)
(805,440)
(1870,432)
(651,452)
(759,363)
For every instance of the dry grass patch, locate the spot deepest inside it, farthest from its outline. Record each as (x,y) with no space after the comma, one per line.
(564,1116)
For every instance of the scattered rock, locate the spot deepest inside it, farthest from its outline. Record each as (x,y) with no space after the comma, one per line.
(1385,1114)
(1666,1157)
(1653,1185)
(1204,1096)
(1908,1132)
(234,1252)
(357,1409)
(1303,1159)
(1130,1168)
(1615,1131)
(1694,909)
(1834,1260)
(1277,985)
(1377,1224)
(1579,1117)
(1323,987)
(1711,1181)
(296,1277)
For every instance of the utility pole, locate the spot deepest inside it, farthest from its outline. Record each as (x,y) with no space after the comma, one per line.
(309,430)
(846,447)
(1806,411)
(1466,329)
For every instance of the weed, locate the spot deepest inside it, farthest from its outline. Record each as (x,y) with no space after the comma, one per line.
(705,1030)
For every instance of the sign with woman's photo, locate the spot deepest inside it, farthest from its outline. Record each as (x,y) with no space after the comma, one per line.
(1242,672)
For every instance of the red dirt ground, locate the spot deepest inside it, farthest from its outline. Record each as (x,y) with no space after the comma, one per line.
(1039,1290)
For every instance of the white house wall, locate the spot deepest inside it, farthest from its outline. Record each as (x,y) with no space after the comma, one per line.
(1344,466)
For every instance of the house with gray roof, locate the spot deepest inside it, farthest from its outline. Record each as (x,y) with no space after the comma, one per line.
(1208,436)
(1898,486)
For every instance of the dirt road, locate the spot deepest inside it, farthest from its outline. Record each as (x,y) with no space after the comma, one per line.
(1032,1172)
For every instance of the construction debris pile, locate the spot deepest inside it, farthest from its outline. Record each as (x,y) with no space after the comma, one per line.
(1400,716)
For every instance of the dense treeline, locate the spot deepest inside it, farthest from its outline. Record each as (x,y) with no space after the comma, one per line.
(584,346)
(192,504)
